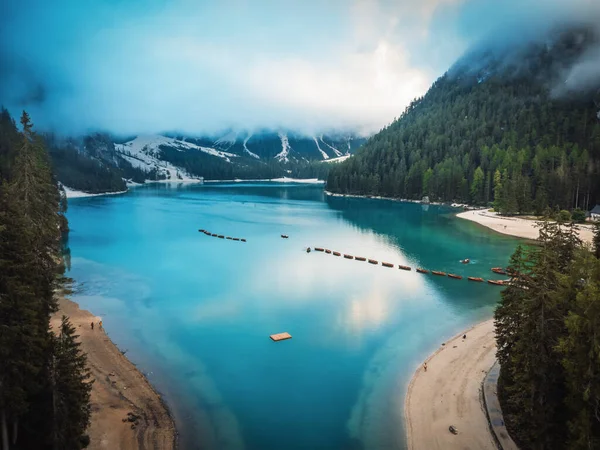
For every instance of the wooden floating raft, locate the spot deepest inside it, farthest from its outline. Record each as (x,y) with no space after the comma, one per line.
(404,267)
(280,336)
(457,277)
(478,279)
(348,256)
(327,251)
(337,254)
(496,282)
(499,270)
(437,272)
(360,258)
(422,270)
(373,261)
(319,249)
(386,264)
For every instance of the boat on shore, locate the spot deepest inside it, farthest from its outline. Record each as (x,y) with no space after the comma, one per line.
(319,249)
(496,282)
(386,264)
(456,277)
(337,254)
(499,270)
(373,261)
(422,270)
(327,251)
(437,272)
(360,258)
(478,279)
(348,256)
(404,267)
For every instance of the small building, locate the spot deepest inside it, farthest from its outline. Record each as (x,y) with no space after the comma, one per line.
(595,213)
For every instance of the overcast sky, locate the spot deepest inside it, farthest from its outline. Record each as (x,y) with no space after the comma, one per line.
(138,66)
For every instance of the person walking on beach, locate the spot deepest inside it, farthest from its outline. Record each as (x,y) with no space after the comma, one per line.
(425,367)
(92,324)
(100,324)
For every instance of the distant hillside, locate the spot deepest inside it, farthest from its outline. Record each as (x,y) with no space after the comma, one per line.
(498,126)
(101,163)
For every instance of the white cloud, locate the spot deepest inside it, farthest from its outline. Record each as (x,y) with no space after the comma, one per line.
(198,67)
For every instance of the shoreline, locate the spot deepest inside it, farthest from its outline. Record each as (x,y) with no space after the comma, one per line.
(74,193)
(448,393)
(272,180)
(401,200)
(514,226)
(119,388)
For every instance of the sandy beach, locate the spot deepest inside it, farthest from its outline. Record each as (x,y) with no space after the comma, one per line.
(119,389)
(514,226)
(449,393)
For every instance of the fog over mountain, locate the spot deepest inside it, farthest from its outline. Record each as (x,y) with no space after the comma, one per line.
(200,68)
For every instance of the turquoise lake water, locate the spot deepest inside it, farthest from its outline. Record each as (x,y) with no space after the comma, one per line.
(195,312)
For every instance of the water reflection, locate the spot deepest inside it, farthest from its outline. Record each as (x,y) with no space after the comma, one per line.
(197,311)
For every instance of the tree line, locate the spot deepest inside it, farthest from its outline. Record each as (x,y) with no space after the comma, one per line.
(44,383)
(493,135)
(548,337)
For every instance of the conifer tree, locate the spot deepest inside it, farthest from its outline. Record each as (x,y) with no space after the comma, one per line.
(71,388)
(580,350)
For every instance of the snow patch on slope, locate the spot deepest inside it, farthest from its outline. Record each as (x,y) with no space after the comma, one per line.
(338,159)
(335,150)
(246,148)
(325,155)
(230,138)
(144,153)
(285,148)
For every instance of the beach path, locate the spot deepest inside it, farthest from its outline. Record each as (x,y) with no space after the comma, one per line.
(514,226)
(449,393)
(119,388)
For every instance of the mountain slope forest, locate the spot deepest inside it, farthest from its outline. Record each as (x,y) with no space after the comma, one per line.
(492,129)
(99,162)
(44,383)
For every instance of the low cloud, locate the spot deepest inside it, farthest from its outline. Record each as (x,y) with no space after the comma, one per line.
(133,67)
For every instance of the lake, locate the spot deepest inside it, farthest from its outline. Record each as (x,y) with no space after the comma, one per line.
(195,312)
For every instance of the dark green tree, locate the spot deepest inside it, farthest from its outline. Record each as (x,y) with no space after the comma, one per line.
(71,387)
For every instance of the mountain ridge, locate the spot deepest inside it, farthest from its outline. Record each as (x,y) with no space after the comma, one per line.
(177,157)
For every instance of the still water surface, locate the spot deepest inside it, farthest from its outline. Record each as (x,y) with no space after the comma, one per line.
(195,312)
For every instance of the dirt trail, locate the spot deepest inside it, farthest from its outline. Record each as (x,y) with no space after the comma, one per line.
(119,388)
(448,393)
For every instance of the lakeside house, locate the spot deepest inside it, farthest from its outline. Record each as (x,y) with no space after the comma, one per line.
(595,213)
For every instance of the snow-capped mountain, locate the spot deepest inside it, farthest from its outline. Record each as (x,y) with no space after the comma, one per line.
(281,146)
(100,162)
(146,153)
